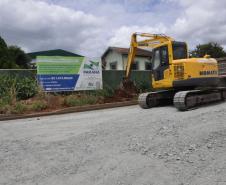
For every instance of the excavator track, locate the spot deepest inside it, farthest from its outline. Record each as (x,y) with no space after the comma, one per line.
(145,102)
(182,100)
(185,100)
(153,99)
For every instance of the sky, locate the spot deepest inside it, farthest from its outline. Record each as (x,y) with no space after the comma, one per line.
(88,27)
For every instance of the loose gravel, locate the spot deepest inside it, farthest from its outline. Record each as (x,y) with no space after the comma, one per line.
(120,146)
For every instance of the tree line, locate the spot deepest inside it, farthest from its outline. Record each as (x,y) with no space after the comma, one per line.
(213,49)
(13,57)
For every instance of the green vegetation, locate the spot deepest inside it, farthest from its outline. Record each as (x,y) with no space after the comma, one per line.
(107,92)
(75,100)
(19,108)
(12,57)
(39,105)
(21,94)
(26,88)
(18,87)
(213,49)
(4,107)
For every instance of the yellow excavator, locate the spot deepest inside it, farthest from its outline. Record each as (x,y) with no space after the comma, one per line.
(176,78)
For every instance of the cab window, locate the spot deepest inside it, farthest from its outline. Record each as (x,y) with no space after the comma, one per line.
(179,50)
(160,57)
(156,59)
(164,54)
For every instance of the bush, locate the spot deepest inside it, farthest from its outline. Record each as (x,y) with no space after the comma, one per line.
(26,88)
(4,107)
(71,101)
(39,105)
(107,92)
(18,87)
(79,101)
(89,100)
(6,84)
(19,108)
(8,99)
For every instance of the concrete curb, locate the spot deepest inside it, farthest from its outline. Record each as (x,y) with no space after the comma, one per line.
(70,110)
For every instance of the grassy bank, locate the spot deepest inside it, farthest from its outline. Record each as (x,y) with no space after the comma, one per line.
(22,95)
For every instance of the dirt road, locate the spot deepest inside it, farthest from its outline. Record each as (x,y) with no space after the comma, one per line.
(121,146)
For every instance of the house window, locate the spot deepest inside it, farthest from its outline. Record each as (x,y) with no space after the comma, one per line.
(113,66)
(135,66)
(147,65)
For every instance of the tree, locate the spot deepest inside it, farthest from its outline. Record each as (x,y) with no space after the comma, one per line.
(18,55)
(213,49)
(4,55)
(2,43)
(12,57)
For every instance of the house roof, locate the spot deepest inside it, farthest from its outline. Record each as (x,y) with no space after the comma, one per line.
(56,52)
(125,51)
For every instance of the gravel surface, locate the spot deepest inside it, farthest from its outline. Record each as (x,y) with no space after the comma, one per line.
(120,146)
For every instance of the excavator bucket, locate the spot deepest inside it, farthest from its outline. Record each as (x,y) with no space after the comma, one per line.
(129,85)
(127,88)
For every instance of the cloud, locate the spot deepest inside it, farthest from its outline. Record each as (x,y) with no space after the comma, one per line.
(90,26)
(122,36)
(202,21)
(199,22)
(36,25)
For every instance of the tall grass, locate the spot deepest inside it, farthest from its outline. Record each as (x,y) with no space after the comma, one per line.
(17,87)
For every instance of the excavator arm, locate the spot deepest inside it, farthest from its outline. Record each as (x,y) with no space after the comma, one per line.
(150,41)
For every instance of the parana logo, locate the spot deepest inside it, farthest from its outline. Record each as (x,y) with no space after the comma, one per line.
(91,65)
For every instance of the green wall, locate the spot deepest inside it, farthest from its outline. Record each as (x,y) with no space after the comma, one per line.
(111,78)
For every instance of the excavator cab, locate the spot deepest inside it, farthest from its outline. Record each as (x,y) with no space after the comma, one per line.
(162,58)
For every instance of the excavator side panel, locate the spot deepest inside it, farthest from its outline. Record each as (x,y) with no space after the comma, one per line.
(205,73)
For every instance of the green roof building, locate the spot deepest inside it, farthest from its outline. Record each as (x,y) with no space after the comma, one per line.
(56,52)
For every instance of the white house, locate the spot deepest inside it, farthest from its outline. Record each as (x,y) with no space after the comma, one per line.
(115,58)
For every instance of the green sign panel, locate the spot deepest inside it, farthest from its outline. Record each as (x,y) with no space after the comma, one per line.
(56,73)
